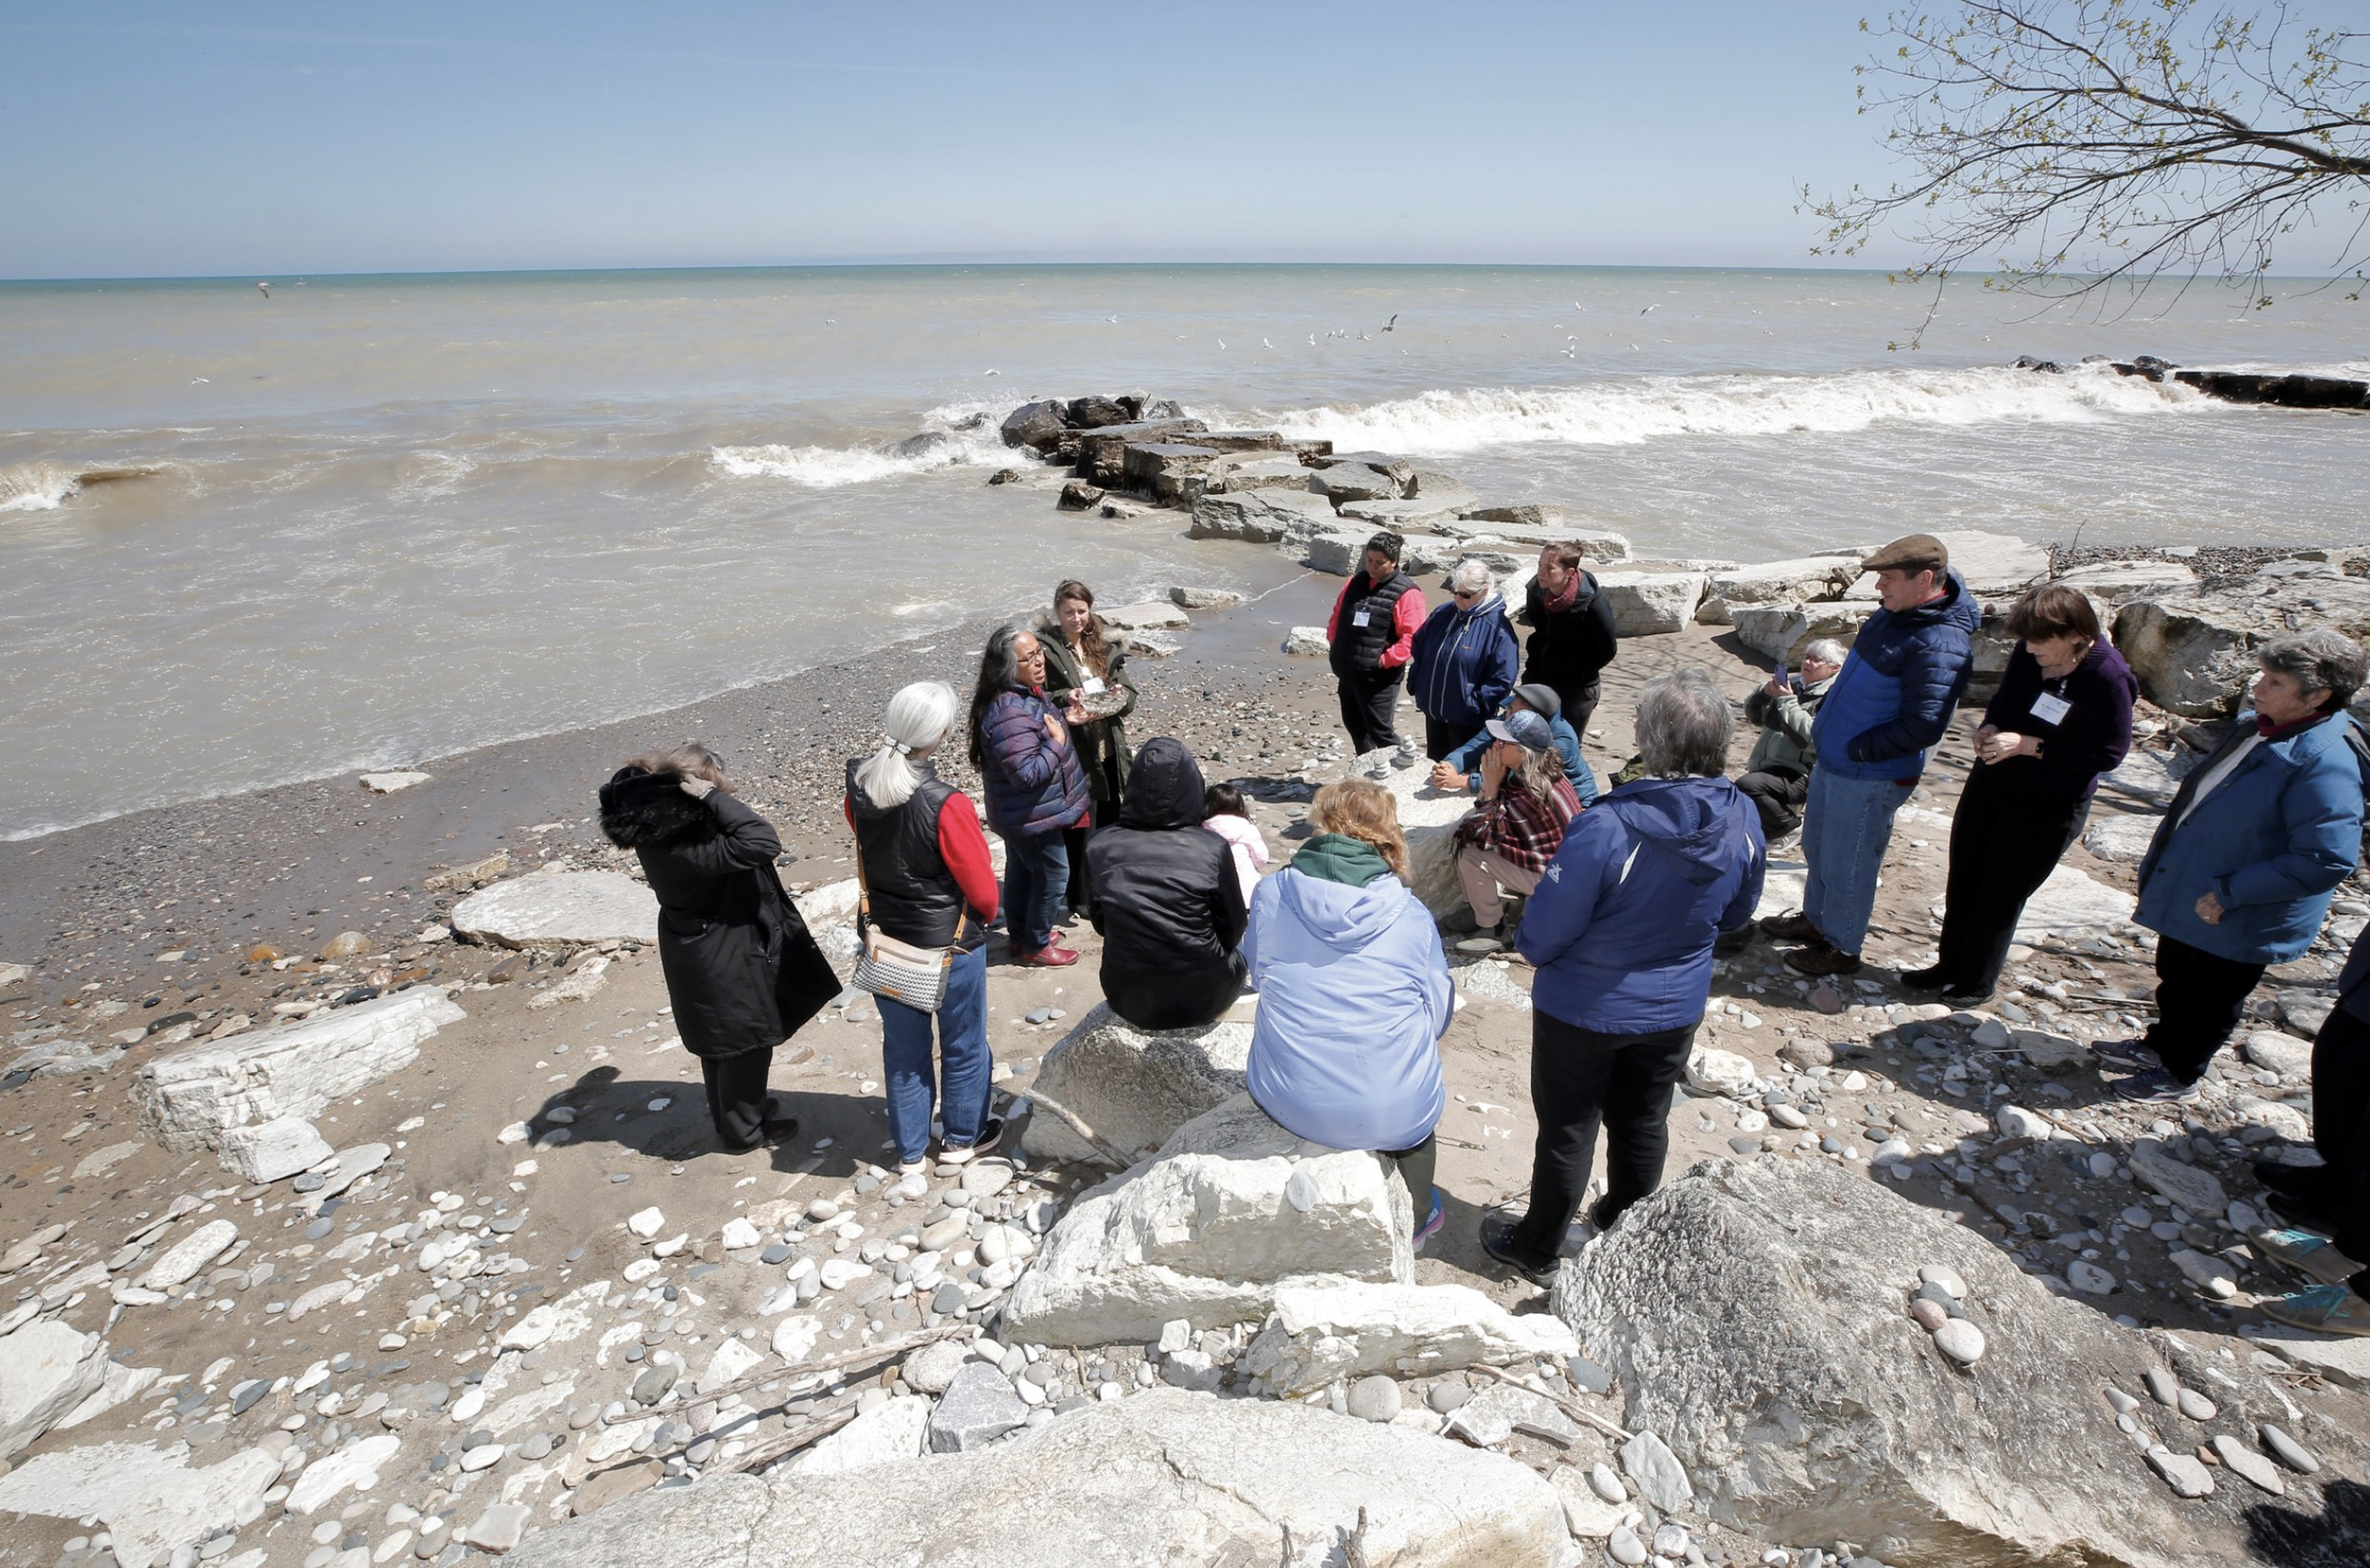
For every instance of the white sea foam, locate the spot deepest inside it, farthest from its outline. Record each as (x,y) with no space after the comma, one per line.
(47,486)
(1627,413)
(941,443)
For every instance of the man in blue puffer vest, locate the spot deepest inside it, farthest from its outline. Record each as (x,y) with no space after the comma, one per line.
(1892,700)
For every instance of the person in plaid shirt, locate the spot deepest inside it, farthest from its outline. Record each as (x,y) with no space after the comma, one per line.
(1508,839)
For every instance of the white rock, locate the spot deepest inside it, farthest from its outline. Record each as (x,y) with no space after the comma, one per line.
(2197,1190)
(2089,1278)
(1961,1340)
(272,1151)
(1306,642)
(559,909)
(46,1369)
(1781,631)
(1585,1514)
(1151,616)
(891,1431)
(735,1359)
(181,1262)
(930,1369)
(1134,1086)
(193,1098)
(646,1223)
(738,1234)
(1646,603)
(387,783)
(839,1273)
(794,1337)
(150,1499)
(2281,1053)
(2209,1274)
(1231,1206)
(1326,1331)
(582,981)
(2016,1122)
(1712,1070)
(354,1467)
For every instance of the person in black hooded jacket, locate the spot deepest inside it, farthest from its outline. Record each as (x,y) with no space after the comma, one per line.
(1168,903)
(1573,637)
(742,970)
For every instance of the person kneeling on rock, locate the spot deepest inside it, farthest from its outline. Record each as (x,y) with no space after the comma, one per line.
(1353,993)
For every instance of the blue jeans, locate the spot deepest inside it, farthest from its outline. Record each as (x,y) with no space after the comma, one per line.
(1846,825)
(963,1060)
(1036,881)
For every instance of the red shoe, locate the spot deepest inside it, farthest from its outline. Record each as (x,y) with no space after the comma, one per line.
(1052,957)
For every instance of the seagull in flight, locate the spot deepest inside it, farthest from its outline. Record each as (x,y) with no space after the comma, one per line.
(1264,344)
(1581,308)
(991,372)
(1649,308)
(1392,323)
(264,289)
(1221,342)
(1113,319)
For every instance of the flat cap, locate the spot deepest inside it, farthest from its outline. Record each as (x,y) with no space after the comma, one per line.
(1910,553)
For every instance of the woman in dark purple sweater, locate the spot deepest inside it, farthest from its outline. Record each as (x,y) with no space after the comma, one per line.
(2062,717)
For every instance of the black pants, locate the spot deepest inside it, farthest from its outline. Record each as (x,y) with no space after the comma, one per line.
(2340,1131)
(1440,740)
(1367,702)
(2003,845)
(1416,1168)
(1081,894)
(1579,704)
(1777,793)
(2199,999)
(736,1086)
(1580,1079)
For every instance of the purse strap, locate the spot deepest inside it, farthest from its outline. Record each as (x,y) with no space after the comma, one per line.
(863,907)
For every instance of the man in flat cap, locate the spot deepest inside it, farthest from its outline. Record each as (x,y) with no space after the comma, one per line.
(1894,698)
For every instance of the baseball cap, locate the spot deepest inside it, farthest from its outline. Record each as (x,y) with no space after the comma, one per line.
(1526,729)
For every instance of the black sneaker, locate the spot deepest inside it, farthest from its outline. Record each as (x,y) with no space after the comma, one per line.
(2305,1183)
(1965,996)
(1729,944)
(2156,1087)
(2298,1214)
(2133,1055)
(1497,1239)
(1936,978)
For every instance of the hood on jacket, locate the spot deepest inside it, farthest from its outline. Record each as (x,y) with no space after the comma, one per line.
(641,809)
(1163,788)
(1687,819)
(1337,857)
(1342,916)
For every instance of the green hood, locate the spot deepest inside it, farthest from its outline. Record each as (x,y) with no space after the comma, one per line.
(1337,857)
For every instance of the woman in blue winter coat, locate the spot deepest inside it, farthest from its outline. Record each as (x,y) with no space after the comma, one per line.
(1465,661)
(1353,993)
(1621,929)
(2243,867)
(1020,743)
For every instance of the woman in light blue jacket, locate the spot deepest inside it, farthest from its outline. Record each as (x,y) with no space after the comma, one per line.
(1353,993)
(2243,867)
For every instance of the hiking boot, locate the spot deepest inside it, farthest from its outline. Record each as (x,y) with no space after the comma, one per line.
(1935,978)
(1821,960)
(1497,1239)
(2324,1309)
(1965,996)
(2156,1087)
(1796,927)
(2299,1214)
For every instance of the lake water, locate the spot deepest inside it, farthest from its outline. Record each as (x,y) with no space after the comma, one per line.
(360,521)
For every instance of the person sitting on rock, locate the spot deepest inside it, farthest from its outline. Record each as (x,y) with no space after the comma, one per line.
(742,970)
(1508,839)
(2324,1210)
(1461,768)
(1463,661)
(1353,993)
(1226,814)
(1166,899)
(1369,638)
(2242,869)
(1776,777)
(1621,929)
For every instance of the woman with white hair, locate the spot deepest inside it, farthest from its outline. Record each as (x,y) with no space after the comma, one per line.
(1621,930)
(1465,661)
(928,883)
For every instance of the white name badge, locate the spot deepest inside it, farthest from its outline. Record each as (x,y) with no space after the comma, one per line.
(1361,617)
(2050,710)
(1093,686)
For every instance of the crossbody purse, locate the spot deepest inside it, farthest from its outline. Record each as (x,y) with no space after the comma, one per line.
(901,970)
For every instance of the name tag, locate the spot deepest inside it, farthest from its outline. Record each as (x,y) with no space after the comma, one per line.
(1361,617)
(2050,710)
(1092,686)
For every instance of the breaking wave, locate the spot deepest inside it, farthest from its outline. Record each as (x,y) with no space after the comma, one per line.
(1630,412)
(47,486)
(951,436)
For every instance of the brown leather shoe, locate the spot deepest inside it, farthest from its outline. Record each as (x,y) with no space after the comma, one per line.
(1820,959)
(1796,927)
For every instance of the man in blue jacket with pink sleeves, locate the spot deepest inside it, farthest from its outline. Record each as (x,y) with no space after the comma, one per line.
(1892,700)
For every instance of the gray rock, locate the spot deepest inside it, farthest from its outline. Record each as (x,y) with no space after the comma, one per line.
(1346,482)
(2288,1451)
(1134,1086)
(2244,1461)
(1262,515)
(1648,603)
(1499,1411)
(182,1262)
(274,1149)
(979,1407)
(2194,1189)
(2195,654)
(1999,1462)
(1648,1460)
(1781,631)
(1625,1547)
(1587,1375)
(559,909)
(498,1528)
(1323,1331)
(2186,1473)
(932,1368)
(1375,1399)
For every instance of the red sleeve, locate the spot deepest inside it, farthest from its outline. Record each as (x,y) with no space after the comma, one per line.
(1406,616)
(1333,622)
(847,810)
(965,849)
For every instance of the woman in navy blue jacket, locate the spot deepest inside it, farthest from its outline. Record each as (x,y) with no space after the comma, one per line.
(2244,864)
(1464,660)
(1035,788)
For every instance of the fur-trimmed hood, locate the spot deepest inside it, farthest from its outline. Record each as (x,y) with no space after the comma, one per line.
(641,809)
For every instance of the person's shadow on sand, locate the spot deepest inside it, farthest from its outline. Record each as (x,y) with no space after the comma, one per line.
(667,1119)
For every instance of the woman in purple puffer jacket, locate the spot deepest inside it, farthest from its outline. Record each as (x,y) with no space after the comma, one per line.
(1035,788)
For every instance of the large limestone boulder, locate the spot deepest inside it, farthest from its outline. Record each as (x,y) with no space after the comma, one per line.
(1165,1477)
(1235,473)
(1645,603)
(1807,579)
(2119,582)
(1160,468)
(1135,1087)
(1204,1230)
(1338,551)
(1348,481)
(559,909)
(1103,450)
(1040,426)
(1402,517)
(1327,1330)
(1822,1410)
(46,1369)
(1427,818)
(2196,655)
(1264,516)
(196,1098)
(1781,631)
(1995,566)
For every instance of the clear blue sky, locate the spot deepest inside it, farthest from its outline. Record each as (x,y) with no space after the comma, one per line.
(178,139)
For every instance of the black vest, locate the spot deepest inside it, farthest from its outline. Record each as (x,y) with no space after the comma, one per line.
(915,897)
(1359,649)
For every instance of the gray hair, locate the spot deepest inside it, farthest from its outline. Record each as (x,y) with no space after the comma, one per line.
(1827,652)
(2318,661)
(1683,725)
(1470,577)
(918,720)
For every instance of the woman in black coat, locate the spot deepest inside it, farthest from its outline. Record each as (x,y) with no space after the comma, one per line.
(741,969)
(1167,901)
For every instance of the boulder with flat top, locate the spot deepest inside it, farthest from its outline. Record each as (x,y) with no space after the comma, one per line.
(1644,604)
(1134,1086)
(1264,515)
(1807,579)
(2196,656)
(559,909)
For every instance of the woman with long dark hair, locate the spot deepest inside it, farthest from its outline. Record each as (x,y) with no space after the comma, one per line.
(1020,743)
(1085,663)
(742,970)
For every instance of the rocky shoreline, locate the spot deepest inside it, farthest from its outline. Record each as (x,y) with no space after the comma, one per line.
(388,1231)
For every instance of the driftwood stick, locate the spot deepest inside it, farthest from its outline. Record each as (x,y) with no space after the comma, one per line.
(1077,1125)
(804,1370)
(1576,1412)
(789,1443)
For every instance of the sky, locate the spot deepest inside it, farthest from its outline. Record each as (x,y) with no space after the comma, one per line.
(149,141)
